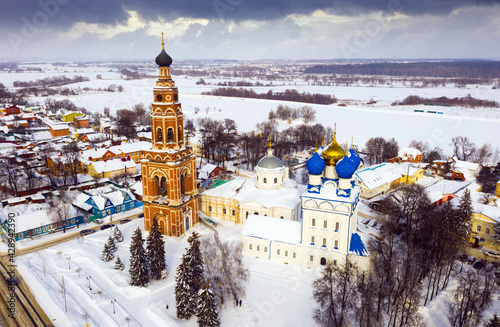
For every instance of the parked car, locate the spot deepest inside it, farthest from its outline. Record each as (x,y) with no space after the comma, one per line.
(87,232)
(97,221)
(141,215)
(124,221)
(492,254)
(373,223)
(235,164)
(107,226)
(478,265)
(365,221)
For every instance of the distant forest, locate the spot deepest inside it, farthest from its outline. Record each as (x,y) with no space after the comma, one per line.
(458,69)
(288,95)
(467,101)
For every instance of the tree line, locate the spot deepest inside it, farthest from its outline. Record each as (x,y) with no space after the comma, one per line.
(467,101)
(52,81)
(288,95)
(463,69)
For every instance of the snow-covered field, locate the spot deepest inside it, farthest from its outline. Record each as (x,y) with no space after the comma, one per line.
(277,295)
(358,119)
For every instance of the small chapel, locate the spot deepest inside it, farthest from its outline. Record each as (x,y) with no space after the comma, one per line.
(170,192)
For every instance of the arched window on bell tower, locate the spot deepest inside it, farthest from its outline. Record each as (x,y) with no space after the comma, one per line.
(157,186)
(159,135)
(163,186)
(179,136)
(170,135)
(183,182)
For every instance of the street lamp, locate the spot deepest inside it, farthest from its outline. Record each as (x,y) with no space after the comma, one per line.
(89,278)
(113,302)
(69,262)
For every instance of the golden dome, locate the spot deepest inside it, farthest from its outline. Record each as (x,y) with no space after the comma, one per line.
(333,153)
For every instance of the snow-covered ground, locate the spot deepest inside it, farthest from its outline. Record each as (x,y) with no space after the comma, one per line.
(277,295)
(357,119)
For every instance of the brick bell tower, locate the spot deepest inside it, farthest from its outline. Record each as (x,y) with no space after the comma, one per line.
(169,168)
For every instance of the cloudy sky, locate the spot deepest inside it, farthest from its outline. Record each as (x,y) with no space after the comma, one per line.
(250,29)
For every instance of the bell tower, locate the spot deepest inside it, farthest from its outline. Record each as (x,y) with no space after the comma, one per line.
(169,168)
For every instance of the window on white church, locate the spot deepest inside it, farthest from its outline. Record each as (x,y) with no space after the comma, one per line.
(294,255)
(325,223)
(311,258)
(312,240)
(265,249)
(275,181)
(286,253)
(249,246)
(334,262)
(324,241)
(247,213)
(313,222)
(337,225)
(258,247)
(265,180)
(277,251)
(336,244)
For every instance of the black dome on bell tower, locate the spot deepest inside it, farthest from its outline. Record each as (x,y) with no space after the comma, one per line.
(163,59)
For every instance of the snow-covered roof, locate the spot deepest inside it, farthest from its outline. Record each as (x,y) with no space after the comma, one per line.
(464,171)
(205,171)
(273,229)
(409,151)
(58,127)
(472,166)
(377,175)
(113,165)
(80,202)
(137,188)
(244,190)
(437,190)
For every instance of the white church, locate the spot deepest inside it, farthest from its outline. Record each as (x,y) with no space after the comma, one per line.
(326,229)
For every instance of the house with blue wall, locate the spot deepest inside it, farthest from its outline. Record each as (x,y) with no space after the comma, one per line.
(106,201)
(36,223)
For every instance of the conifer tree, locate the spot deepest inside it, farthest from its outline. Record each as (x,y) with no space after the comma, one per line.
(465,211)
(195,261)
(118,235)
(156,251)
(207,308)
(118,264)
(493,322)
(138,261)
(106,253)
(184,297)
(111,244)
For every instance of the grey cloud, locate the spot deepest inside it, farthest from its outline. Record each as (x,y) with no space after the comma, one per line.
(63,13)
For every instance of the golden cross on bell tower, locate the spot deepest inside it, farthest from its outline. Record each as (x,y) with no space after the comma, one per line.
(162,42)
(270,143)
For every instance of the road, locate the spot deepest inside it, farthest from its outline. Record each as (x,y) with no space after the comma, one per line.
(27,310)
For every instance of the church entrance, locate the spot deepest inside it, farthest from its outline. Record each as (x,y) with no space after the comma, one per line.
(323,261)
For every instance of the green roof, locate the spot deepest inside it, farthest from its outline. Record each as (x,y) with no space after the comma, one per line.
(219,182)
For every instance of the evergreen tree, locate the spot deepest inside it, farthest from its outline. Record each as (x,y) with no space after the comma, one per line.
(184,297)
(106,253)
(465,211)
(118,235)
(493,322)
(118,264)
(195,261)
(207,308)
(156,251)
(138,260)
(111,244)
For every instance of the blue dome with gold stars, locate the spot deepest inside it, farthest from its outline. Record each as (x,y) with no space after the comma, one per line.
(345,167)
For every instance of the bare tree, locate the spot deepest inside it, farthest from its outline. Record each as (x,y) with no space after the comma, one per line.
(11,176)
(308,114)
(335,293)
(224,267)
(59,212)
(70,157)
(463,148)
(485,153)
